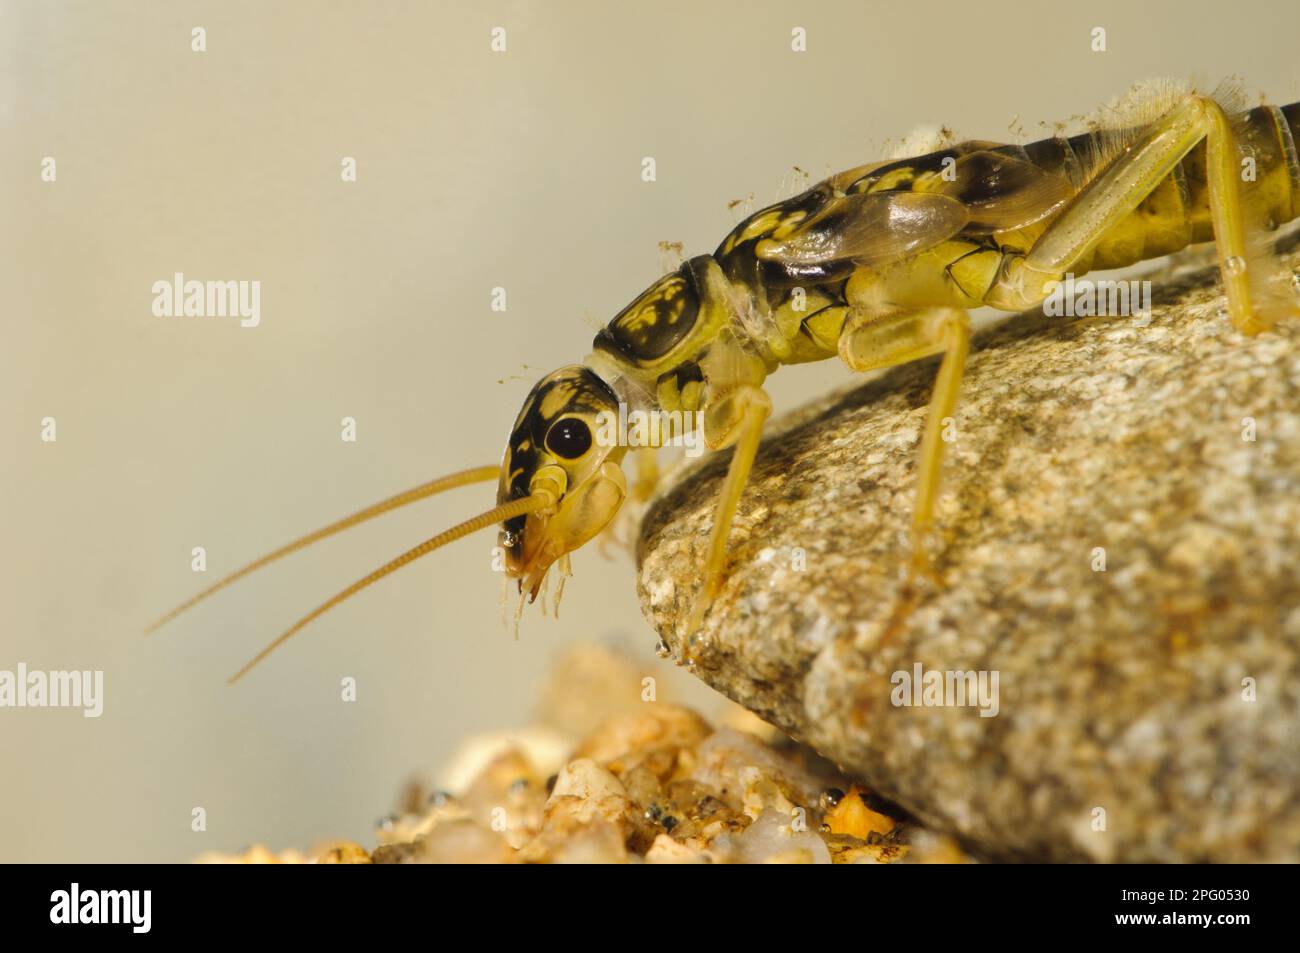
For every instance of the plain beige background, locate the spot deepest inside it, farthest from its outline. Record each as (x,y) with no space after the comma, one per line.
(475,170)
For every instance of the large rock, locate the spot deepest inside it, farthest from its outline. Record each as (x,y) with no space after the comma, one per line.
(1149,711)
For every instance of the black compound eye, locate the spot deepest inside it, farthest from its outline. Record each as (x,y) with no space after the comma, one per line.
(570,438)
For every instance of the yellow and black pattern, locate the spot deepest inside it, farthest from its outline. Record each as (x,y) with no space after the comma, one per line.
(657,321)
(572,390)
(977,200)
(932,229)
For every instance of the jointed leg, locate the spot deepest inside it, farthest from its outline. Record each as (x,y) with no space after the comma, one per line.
(1130,179)
(647,474)
(955,335)
(735,419)
(870,341)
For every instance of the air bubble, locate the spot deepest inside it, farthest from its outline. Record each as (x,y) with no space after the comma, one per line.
(662,650)
(1234,265)
(830,798)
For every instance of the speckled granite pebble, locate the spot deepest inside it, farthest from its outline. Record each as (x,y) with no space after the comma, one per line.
(1147,712)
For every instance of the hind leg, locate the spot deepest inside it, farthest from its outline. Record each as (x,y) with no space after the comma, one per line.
(1257,297)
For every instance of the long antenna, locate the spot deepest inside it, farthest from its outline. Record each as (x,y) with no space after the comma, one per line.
(424,490)
(497,514)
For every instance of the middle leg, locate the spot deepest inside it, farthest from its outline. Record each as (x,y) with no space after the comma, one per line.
(870,341)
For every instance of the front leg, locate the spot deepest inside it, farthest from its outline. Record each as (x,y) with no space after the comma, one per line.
(733,418)
(648,474)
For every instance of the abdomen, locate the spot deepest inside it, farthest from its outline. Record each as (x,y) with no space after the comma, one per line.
(1177,213)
